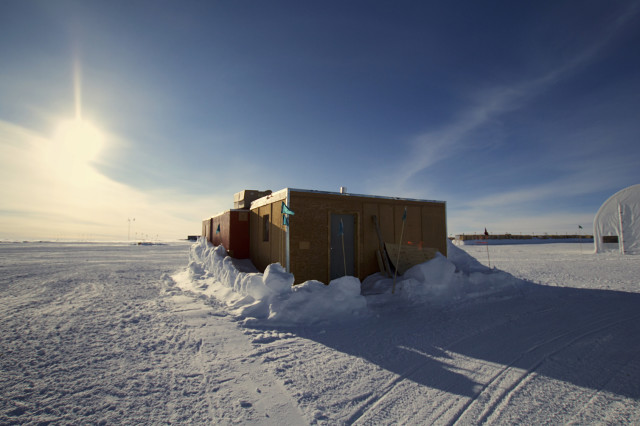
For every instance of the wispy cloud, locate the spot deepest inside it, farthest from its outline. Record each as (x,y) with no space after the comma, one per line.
(434,146)
(576,183)
(519,210)
(591,168)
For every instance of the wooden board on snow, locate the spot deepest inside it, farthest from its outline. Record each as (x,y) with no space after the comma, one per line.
(409,255)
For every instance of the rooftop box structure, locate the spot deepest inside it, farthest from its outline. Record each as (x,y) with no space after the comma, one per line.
(334,234)
(243,199)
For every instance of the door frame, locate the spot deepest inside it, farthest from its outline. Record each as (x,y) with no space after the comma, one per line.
(356,241)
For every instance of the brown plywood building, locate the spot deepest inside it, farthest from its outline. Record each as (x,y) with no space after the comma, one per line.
(313,247)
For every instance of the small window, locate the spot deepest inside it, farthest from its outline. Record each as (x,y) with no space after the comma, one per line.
(610,239)
(265,227)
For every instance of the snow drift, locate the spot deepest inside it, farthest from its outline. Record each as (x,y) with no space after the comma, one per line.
(443,281)
(272,296)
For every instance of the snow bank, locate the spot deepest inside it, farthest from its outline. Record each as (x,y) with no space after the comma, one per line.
(443,281)
(271,295)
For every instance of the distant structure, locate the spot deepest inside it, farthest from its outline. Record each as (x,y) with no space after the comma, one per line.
(616,226)
(494,239)
(319,235)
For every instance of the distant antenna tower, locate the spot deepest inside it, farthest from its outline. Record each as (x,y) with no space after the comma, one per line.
(129,230)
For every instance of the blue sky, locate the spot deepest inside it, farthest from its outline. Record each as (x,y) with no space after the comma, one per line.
(523,117)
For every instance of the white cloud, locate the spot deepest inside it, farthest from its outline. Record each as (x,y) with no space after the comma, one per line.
(43,197)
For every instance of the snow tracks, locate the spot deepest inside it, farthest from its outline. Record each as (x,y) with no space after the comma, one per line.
(97,334)
(552,355)
(235,384)
(88,337)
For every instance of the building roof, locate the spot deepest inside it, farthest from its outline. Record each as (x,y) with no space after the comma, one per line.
(282,195)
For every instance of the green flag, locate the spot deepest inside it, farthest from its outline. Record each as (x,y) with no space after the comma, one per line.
(286,210)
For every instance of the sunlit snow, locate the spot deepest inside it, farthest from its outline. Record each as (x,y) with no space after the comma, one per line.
(117,333)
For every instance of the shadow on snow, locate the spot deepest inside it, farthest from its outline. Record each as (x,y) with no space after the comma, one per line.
(589,338)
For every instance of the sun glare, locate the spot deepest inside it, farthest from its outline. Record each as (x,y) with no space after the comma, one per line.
(78,140)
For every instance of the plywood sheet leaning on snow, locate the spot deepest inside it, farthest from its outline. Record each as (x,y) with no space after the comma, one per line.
(409,255)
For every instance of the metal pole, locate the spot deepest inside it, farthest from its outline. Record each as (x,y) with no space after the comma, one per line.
(344,255)
(488,258)
(286,241)
(580,237)
(395,275)
(129,228)
(621,228)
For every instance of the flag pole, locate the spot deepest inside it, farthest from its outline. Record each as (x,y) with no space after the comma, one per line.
(286,214)
(395,274)
(344,255)
(488,257)
(486,234)
(580,237)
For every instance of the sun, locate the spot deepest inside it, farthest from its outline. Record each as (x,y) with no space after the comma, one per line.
(78,141)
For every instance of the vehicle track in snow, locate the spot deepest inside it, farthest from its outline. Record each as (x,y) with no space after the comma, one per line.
(496,394)
(378,398)
(374,399)
(588,413)
(495,386)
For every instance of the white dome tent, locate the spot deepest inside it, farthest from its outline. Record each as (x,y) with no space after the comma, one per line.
(617,224)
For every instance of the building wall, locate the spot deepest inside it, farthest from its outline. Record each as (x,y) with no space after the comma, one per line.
(234,232)
(238,234)
(206,229)
(222,237)
(310,231)
(265,250)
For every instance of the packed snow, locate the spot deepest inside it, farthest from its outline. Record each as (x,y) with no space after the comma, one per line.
(269,295)
(181,333)
(273,297)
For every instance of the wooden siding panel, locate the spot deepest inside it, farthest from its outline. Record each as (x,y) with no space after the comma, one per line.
(309,238)
(310,231)
(277,235)
(254,226)
(434,232)
(370,244)
(398,211)
(387,222)
(413,226)
(265,246)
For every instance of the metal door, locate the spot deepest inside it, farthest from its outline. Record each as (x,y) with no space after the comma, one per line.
(342,245)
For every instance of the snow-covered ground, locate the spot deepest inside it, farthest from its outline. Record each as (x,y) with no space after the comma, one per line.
(115,333)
